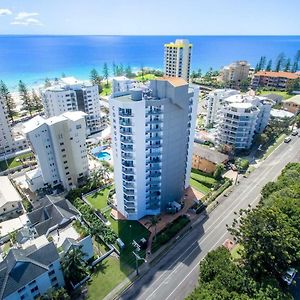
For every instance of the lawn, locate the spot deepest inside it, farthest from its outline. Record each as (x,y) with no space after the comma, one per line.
(14,162)
(285,95)
(128,231)
(235,251)
(146,77)
(106,277)
(99,199)
(106,90)
(274,145)
(199,186)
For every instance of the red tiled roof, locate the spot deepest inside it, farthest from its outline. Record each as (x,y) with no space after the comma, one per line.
(287,75)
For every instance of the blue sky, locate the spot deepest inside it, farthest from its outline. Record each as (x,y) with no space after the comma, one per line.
(141,17)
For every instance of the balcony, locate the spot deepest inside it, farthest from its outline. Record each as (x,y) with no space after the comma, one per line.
(126,155)
(126,124)
(153,138)
(125,131)
(154,112)
(127,140)
(152,146)
(153,121)
(128,192)
(128,171)
(153,129)
(126,148)
(125,114)
(128,185)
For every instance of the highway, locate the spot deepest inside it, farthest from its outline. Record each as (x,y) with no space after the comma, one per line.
(176,274)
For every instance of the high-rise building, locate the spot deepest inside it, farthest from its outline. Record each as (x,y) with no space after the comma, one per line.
(152,136)
(240,117)
(214,101)
(6,138)
(235,73)
(60,147)
(70,94)
(177,61)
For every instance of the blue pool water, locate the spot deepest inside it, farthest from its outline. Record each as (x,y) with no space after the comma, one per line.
(102,155)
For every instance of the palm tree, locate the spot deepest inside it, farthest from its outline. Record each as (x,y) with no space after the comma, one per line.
(74,266)
(153,223)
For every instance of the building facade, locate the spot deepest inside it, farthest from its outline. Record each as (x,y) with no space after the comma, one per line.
(177,59)
(6,138)
(292,105)
(240,118)
(73,95)
(277,80)
(152,137)
(234,73)
(214,101)
(30,273)
(59,144)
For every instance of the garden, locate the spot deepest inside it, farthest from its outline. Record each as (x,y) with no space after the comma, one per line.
(16,161)
(203,182)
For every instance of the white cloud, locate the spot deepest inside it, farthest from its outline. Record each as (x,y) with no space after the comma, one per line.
(24,15)
(5,12)
(26,19)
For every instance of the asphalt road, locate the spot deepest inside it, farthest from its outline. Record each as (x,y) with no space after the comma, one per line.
(176,274)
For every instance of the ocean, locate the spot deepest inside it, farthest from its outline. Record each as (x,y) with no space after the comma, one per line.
(33,58)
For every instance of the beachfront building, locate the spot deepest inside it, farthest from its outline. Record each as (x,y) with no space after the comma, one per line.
(214,101)
(6,138)
(277,80)
(292,105)
(240,118)
(31,272)
(177,59)
(70,94)
(10,200)
(60,147)
(235,73)
(152,137)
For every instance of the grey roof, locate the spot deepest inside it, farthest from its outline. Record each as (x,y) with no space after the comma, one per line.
(7,192)
(52,211)
(209,154)
(21,266)
(69,243)
(275,97)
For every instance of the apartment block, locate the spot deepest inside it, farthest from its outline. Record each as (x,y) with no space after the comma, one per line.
(277,80)
(69,94)
(234,73)
(240,118)
(215,101)
(177,59)
(29,273)
(59,144)
(152,137)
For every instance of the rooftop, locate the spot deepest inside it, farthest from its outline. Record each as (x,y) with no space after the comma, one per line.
(175,81)
(295,99)
(288,75)
(7,192)
(209,154)
(279,113)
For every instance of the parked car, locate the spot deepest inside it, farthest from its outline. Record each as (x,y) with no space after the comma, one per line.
(294,132)
(287,139)
(289,276)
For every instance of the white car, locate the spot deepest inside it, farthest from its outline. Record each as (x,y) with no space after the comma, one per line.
(289,276)
(294,132)
(287,139)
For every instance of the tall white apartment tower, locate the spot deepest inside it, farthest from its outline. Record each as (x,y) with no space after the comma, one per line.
(60,148)
(152,136)
(73,95)
(6,138)
(177,59)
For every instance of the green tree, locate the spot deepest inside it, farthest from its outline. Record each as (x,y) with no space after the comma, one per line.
(8,100)
(219,170)
(25,97)
(47,83)
(154,220)
(244,85)
(296,62)
(114,69)
(128,72)
(294,85)
(63,75)
(74,266)
(270,243)
(279,62)
(56,294)
(261,64)
(36,101)
(106,73)
(298,121)
(287,65)
(96,79)
(269,65)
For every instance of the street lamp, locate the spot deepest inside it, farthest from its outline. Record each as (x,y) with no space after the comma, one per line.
(137,258)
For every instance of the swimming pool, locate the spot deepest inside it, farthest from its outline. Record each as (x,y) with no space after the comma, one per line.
(102,155)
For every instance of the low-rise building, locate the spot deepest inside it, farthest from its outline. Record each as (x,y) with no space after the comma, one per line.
(207,159)
(10,200)
(269,79)
(292,105)
(121,85)
(31,272)
(60,148)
